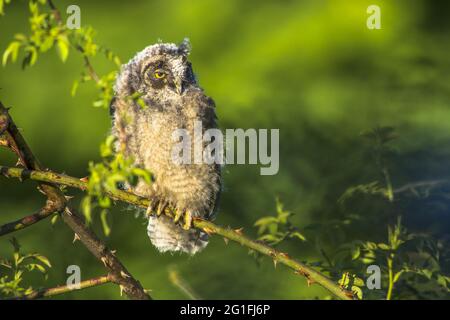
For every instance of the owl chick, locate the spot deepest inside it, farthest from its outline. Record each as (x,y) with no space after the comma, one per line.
(162,77)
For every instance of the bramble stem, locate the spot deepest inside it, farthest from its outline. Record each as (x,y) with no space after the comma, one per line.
(312,275)
(48,292)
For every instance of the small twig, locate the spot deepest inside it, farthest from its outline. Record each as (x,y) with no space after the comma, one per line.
(413,185)
(181,284)
(89,66)
(55,11)
(48,292)
(208,226)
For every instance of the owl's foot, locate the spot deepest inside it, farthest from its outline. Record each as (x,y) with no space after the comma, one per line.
(157,206)
(187,218)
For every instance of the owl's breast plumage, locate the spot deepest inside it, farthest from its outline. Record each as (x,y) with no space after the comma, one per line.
(190,186)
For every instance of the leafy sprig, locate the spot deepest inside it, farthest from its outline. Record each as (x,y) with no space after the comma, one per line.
(14,269)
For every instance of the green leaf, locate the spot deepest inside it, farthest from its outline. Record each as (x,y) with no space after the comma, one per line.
(144,174)
(367,260)
(33,266)
(87,208)
(356,251)
(12,50)
(298,235)
(43,259)
(54,219)
(344,280)
(106,148)
(63,47)
(46,44)
(371,245)
(73,91)
(358,292)
(442,281)
(268,238)
(427,273)
(384,246)
(265,221)
(98,103)
(397,275)
(33,54)
(33,6)
(358,282)
(104,202)
(104,220)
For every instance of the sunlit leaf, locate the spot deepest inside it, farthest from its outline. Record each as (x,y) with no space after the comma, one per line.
(63,47)
(12,50)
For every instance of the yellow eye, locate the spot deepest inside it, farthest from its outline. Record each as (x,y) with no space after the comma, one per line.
(159,74)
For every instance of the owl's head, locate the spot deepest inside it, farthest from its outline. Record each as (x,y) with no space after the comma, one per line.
(159,72)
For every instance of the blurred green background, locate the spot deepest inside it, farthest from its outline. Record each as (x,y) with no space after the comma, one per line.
(310,68)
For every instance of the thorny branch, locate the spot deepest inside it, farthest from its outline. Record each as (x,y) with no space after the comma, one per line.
(48,292)
(57,202)
(311,275)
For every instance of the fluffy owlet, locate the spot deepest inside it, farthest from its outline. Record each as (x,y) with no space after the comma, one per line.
(162,77)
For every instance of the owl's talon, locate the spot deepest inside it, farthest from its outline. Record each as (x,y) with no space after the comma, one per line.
(161,207)
(178,215)
(154,203)
(187,220)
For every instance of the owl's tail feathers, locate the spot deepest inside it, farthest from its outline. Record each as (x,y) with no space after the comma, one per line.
(165,235)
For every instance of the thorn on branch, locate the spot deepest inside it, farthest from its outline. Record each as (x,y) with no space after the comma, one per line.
(209,231)
(20,163)
(75,238)
(284,255)
(305,274)
(104,260)
(38,187)
(239,231)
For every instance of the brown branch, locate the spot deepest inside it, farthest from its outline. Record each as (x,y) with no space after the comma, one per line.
(27,221)
(87,63)
(48,292)
(299,268)
(55,11)
(55,197)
